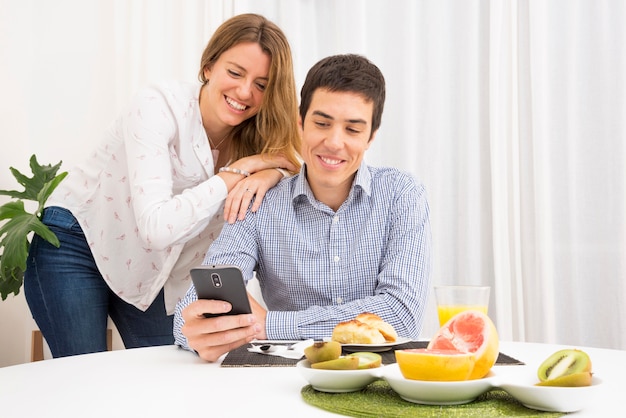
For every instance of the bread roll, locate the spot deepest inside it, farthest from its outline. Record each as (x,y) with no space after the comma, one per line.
(357,332)
(377,322)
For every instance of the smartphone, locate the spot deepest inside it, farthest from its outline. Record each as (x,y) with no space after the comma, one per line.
(222,283)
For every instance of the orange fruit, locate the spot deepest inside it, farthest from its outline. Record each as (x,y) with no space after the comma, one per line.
(440,365)
(473,332)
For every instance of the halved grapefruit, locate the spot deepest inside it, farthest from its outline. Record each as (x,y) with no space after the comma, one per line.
(434,364)
(470,331)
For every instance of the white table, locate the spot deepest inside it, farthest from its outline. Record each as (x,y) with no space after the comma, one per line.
(169,382)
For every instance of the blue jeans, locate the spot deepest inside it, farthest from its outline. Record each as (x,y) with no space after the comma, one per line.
(70,301)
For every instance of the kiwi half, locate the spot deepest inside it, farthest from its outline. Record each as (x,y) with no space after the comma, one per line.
(571,380)
(323,351)
(565,363)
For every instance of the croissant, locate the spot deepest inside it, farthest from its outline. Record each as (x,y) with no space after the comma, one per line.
(377,322)
(366,328)
(356,332)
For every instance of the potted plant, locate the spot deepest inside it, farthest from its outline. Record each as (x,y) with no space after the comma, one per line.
(18,225)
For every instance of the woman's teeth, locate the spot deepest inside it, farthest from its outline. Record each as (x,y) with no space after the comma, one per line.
(235,105)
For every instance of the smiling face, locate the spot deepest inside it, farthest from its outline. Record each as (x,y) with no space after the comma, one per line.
(235,88)
(335,135)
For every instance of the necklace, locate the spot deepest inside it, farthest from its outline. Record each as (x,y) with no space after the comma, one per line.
(214,150)
(211,141)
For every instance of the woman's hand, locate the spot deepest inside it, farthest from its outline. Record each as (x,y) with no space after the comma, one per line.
(213,337)
(243,189)
(260,162)
(241,195)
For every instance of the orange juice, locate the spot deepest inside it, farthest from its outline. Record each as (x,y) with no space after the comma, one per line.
(446,312)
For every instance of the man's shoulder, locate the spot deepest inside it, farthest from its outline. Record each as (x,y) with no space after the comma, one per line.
(390,176)
(390,183)
(282,192)
(385,171)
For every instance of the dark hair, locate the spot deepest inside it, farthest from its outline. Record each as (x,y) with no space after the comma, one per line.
(346,73)
(274,129)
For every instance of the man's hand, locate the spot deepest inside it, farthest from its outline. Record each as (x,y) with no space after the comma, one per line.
(213,337)
(260,314)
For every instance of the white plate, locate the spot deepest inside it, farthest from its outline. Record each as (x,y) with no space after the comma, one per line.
(436,393)
(375,348)
(337,381)
(548,398)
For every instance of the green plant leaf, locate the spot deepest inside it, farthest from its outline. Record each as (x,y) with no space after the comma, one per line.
(14,234)
(42,174)
(47,190)
(11,283)
(15,242)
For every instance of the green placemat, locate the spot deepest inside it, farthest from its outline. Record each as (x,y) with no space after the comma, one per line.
(379,400)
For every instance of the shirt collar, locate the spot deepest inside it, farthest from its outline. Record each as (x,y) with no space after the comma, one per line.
(363,180)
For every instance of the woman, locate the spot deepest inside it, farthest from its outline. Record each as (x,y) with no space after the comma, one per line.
(143,209)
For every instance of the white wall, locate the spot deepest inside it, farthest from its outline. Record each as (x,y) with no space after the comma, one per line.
(53,76)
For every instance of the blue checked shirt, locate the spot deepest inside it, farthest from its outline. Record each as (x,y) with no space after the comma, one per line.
(317,267)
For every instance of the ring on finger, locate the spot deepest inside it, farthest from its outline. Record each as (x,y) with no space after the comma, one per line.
(250,191)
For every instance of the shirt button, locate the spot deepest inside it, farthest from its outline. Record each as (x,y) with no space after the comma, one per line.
(336,258)
(339,300)
(335,219)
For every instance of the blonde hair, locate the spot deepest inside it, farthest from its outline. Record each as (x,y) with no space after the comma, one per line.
(274,128)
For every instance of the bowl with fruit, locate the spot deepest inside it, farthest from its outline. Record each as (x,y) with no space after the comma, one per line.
(455,368)
(327,370)
(432,392)
(564,382)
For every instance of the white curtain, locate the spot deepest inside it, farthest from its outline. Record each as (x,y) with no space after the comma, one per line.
(512,112)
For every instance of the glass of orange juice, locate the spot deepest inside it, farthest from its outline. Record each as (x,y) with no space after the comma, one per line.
(454,299)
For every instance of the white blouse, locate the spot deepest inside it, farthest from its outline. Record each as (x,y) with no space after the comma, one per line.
(147,199)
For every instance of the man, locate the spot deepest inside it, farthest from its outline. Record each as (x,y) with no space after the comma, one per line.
(338,239)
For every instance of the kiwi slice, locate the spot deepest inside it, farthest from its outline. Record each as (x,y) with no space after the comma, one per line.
(367,360)
(571,380)
(341,363)
(564,363)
